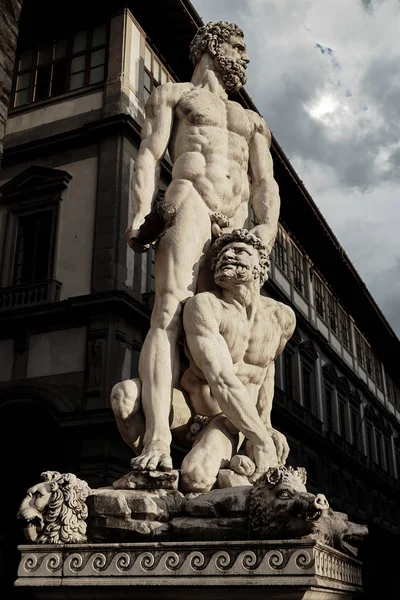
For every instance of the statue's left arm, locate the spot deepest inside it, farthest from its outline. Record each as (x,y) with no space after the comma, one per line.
(287,322)
(264,407)
(264,189)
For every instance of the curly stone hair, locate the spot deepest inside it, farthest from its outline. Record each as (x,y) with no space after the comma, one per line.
(219,31)
(65,515)
(242,235)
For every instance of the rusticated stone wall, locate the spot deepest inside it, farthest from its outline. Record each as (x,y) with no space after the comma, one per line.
(9,15)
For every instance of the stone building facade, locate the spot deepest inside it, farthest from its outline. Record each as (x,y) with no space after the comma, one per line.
(9,17)
(75,301)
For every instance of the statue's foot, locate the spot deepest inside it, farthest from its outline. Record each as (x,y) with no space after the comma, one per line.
(155,456)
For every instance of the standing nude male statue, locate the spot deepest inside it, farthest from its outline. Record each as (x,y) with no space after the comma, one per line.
(221,156)
(232,337)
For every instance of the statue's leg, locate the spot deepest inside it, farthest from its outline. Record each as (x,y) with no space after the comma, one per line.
(126,404)
(177,260)
(212,450)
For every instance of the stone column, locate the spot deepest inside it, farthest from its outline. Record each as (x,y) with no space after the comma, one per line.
(9,16)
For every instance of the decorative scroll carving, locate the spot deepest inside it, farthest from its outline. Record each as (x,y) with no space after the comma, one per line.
(262,561)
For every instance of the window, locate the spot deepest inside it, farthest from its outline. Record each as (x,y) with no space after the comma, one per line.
(368,358)
(397,459)
(342,417)
(379,460)
(288,369)
(33,248)
(360,348)
(354,423)
(377,372)
(150,271)
(326,306)
(368,361)
(65,65)
(308,388)
(306,384)
(396,396)
(298,270)
(370,442)
(154,73)
(319,297)
(28,268)
(344,328)
(396,392)
(332,312)
(387,449)
(309,357)
(329,408)
(279,251)
(389,388)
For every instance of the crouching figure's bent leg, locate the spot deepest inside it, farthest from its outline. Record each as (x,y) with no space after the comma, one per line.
(212,450)
(126,404)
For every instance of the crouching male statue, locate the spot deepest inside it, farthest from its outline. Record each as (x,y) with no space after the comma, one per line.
(221,157)
(233,336)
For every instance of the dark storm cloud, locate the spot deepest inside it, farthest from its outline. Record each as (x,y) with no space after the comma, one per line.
(329,89)
(370,5)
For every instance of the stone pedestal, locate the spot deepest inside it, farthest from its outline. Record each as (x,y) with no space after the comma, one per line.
(272,570)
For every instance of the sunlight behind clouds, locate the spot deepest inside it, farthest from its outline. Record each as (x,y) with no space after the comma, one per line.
(326,78)
(325,105)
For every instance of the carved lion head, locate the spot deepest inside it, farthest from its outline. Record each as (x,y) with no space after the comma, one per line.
(55,511)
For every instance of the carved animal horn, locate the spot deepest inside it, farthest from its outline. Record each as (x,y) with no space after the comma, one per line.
(302,475)
(50,475)
(273,475)
(69,478)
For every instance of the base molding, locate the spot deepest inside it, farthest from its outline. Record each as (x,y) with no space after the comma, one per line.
(281,569)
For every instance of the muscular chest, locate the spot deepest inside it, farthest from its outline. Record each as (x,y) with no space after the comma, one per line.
(252,343)
(202,108)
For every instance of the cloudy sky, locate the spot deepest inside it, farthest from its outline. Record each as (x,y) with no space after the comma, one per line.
(326,77)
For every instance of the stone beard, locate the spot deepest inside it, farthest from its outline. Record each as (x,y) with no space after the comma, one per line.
(227,269)
(232,71)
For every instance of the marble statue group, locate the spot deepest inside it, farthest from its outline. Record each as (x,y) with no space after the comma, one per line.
(210,262)
(213,233)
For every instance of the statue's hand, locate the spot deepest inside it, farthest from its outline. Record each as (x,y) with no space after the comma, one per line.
(281,445)
(131,235)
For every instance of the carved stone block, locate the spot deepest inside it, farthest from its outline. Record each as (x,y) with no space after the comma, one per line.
(148,480)
(220,503)
(228,478)
(104,527)
(158,505)
(192,528)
